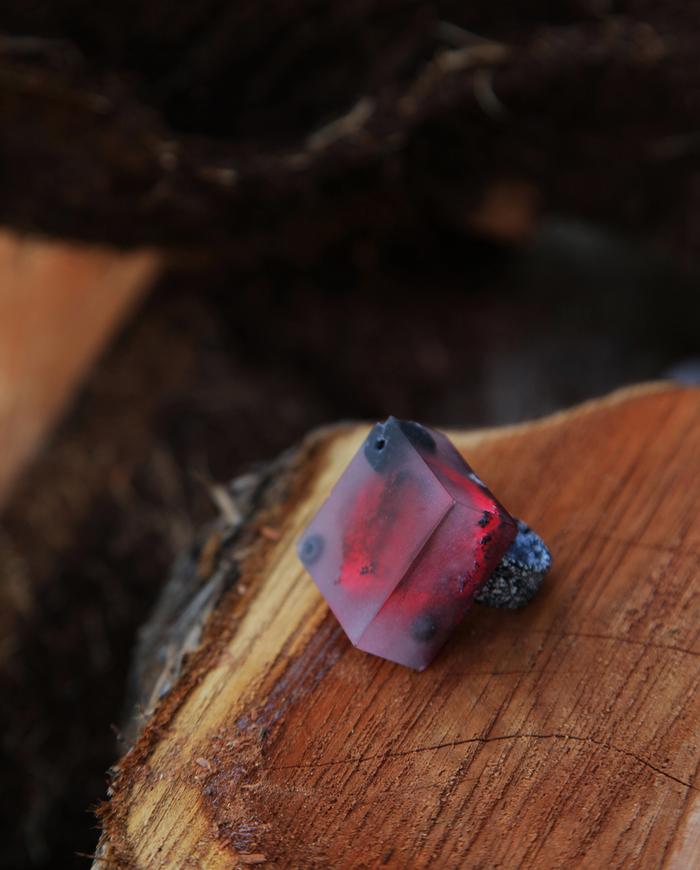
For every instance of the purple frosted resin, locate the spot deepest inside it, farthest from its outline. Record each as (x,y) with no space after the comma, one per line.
(405,540)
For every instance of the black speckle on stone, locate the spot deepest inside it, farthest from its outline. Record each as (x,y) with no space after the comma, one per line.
(379,445)
(367,569)
(424,628)
(418,435)
(310,549)
(485,519)
(486,539)
(384,441)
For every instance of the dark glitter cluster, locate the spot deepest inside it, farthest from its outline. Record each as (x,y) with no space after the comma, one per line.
(519,574)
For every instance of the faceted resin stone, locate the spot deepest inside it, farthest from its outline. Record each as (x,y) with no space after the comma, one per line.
(406,539)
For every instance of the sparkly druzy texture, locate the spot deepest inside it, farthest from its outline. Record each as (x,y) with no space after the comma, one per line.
(519,574)
(406,539)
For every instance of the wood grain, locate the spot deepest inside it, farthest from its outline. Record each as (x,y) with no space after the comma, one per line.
(59,304)
(562,735)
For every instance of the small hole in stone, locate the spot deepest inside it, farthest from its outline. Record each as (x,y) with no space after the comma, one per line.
(380,443)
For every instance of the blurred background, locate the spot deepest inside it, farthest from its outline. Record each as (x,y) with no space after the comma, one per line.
(226,223)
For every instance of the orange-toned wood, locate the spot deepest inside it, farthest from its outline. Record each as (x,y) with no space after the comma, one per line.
(567,734)
(59,304)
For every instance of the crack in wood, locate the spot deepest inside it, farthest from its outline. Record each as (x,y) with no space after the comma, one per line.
(494,739)
(649,644)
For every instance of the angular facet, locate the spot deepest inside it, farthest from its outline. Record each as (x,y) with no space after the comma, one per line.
(406,539)
(368,533)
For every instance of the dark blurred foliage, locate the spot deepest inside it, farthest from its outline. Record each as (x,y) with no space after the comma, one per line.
(283,128)
(310,58)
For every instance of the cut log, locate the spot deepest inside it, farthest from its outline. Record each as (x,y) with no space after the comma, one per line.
(561,735)
(59,305)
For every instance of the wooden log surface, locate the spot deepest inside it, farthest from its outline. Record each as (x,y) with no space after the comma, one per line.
(566,734)
(59,304)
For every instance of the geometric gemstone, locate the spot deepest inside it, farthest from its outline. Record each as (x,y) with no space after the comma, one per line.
(407,537)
